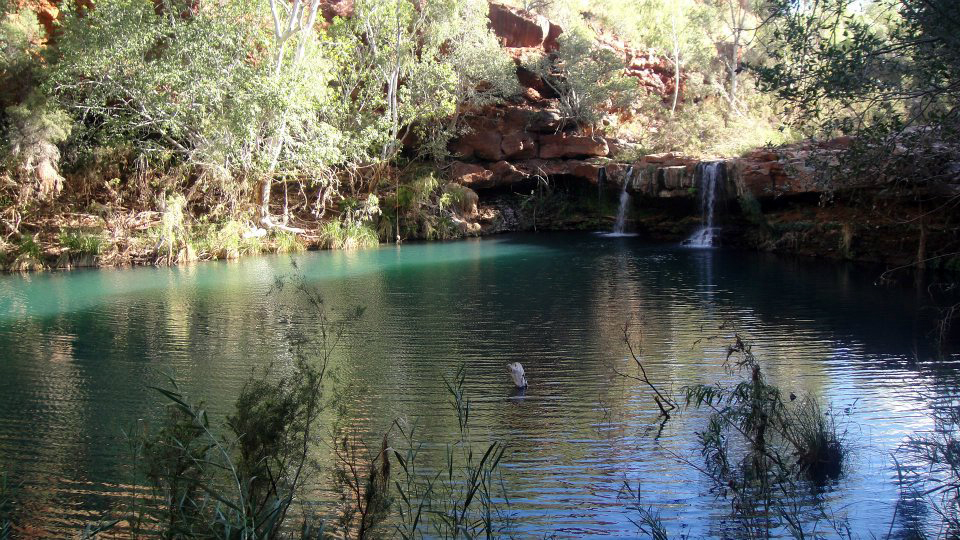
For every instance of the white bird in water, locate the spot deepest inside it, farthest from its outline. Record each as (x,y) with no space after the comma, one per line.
(516,372)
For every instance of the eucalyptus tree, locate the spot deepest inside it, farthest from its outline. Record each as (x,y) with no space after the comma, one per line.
(31,125)
(586,77)
(888,73)
(680,28)
(301,73)
(846,65)
(210,86)
(739,27)
(405,69)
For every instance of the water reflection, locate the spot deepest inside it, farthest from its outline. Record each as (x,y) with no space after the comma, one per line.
(79,348)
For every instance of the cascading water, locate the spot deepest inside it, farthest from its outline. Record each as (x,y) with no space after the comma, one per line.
(624,205)
(601,181)
(710,178)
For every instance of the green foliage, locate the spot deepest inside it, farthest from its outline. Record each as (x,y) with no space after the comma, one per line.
(240,480)
(707,128)
(287,242)
(418,191)
(28,255)
(757,446)
(348,236)
(423,209)
(680,30)
(242,485)
(417,65)
(6,508)
(20,36)
(34,129)
(354,229)
(19,33)
(188,85)
(831,61)
(817,445)
(885,72)
(81,243)
(929,464)
(458,197)
(484,73)
(229,240)
(174,464)
(588,78)
(459,500)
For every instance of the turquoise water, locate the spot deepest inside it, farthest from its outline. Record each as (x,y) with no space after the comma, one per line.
(78,349)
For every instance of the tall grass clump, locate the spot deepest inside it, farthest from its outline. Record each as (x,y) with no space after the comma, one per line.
(395,490)
(241,477)
(760,450)
(230,240)
(287,242)
(648,519)
(29,255)
(460,500)
(81,243)
(6,508)
(817,444)
(929,466)
(348,236)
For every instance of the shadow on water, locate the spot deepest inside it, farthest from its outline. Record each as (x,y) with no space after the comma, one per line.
(517,395)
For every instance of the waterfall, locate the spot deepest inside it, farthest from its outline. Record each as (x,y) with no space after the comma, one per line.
(710,178)
(624,204)
(601,180)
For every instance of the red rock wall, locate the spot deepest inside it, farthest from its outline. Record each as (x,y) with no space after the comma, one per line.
(517,28)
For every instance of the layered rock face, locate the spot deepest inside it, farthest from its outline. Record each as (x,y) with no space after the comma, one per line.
(520,141)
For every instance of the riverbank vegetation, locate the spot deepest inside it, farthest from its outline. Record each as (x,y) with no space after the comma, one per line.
(263,119)
(208,113)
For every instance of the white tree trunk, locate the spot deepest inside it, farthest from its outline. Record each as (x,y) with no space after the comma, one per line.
(676,76)
(676,63)
(282,34)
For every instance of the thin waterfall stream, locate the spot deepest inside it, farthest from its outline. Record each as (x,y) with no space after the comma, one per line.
(620,224)
(710,177)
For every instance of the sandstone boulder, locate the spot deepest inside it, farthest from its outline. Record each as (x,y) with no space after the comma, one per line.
(518,145)
(518,28)
(572,146)
(479,143)
(470,175)
(505,174)
(464,198)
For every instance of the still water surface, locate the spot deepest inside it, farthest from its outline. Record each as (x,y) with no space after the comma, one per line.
(78,349)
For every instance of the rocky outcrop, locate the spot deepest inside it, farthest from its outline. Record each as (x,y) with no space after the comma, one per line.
(528,138)
(762,173)
(653,72)
(518,28)
(336,8)
(503,174)
(565,145)
(520,132)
